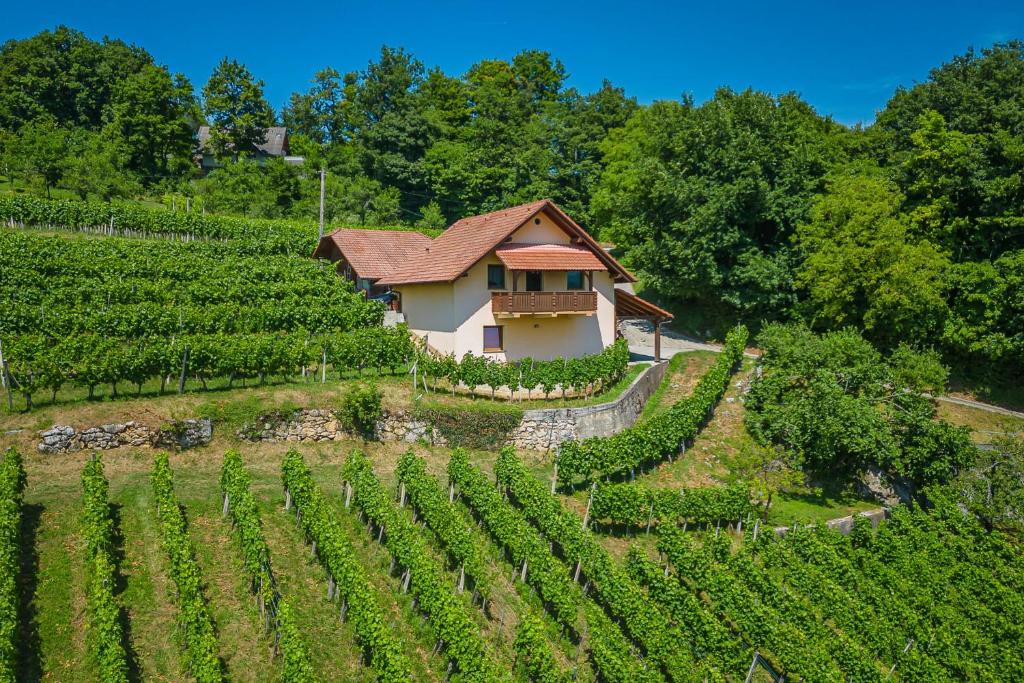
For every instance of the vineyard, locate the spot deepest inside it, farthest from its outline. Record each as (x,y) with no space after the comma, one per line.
(373,562)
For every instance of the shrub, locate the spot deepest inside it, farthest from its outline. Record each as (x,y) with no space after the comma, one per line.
(360,409)
(473,428)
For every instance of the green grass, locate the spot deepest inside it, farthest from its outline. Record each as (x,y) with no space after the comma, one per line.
(815,507)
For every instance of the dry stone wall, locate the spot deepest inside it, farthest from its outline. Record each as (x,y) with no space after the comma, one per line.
(183,434)
(539,429)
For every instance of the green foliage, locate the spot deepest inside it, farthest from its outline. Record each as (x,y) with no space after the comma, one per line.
(476,428)
(636,504)
(426,576)
(442,516)
(360,409)
(862,265)
(360,602)
(535,653)
(12,487)
(993,488)
(194,622)
(513,532)
(659,437)
(703,199)
(836,403)
(105,636)
(620,595)
(586,374)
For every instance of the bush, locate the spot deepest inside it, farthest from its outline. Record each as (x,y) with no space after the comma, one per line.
(360,409)
(474,428)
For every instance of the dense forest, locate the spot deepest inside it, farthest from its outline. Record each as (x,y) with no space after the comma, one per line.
(748,207)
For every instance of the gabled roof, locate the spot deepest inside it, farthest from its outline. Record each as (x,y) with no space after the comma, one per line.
(274,145)
(518,256)
(373,253)
(468,240)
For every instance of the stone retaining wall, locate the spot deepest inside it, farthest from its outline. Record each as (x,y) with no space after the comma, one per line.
(183,434)
(539,429)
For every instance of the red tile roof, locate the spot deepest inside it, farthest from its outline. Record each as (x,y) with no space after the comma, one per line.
(548,257)
(470,239)
(373,253)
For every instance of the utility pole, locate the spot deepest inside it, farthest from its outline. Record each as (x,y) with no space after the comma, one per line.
(323,177)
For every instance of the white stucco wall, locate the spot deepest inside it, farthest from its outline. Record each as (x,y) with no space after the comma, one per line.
(453,315)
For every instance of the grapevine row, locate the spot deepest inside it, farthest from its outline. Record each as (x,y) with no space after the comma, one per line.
(544,571)
(106,638)
(532,649)
(241,505)
(453,625)
(262,236)
(194,620)
(12,488)
(586,373)
(659,437)
(623,598)
(639,505)
(525,546)
(432,504)
(88,361)
(348,581)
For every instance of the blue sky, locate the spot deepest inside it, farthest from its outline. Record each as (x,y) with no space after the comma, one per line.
(844,58)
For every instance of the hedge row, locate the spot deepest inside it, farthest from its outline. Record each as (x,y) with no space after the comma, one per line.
(653,440)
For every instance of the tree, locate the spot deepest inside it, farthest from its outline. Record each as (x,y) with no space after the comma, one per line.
(861,264)
(770,471)
(994,488)
(93,169)
(704,199)
(236,110)
(41,151)
(151,112)
(838,405)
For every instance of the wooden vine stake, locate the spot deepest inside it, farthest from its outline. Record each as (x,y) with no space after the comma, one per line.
(590,500)
(554,478)
(224,508)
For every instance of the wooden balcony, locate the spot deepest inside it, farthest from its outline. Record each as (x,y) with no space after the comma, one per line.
(543,303)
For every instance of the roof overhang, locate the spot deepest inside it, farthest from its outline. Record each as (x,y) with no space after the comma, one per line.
(628,305)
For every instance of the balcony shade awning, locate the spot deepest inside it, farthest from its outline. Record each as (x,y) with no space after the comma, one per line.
(548,257)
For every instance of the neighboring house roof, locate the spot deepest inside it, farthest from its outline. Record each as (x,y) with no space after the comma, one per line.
(276,144)
(629,305)
(548,257)
(468,240)
(373,253)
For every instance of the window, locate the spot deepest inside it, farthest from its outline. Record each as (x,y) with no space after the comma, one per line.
(574,279)
(495,277)
(493,338)
(534,282)
(364,284)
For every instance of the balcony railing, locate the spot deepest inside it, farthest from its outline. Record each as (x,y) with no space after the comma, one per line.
(518,303)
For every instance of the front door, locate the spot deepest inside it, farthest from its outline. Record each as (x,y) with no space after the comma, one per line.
(534,281)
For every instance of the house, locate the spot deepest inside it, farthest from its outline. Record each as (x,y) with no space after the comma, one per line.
(276,145)
(526,281)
